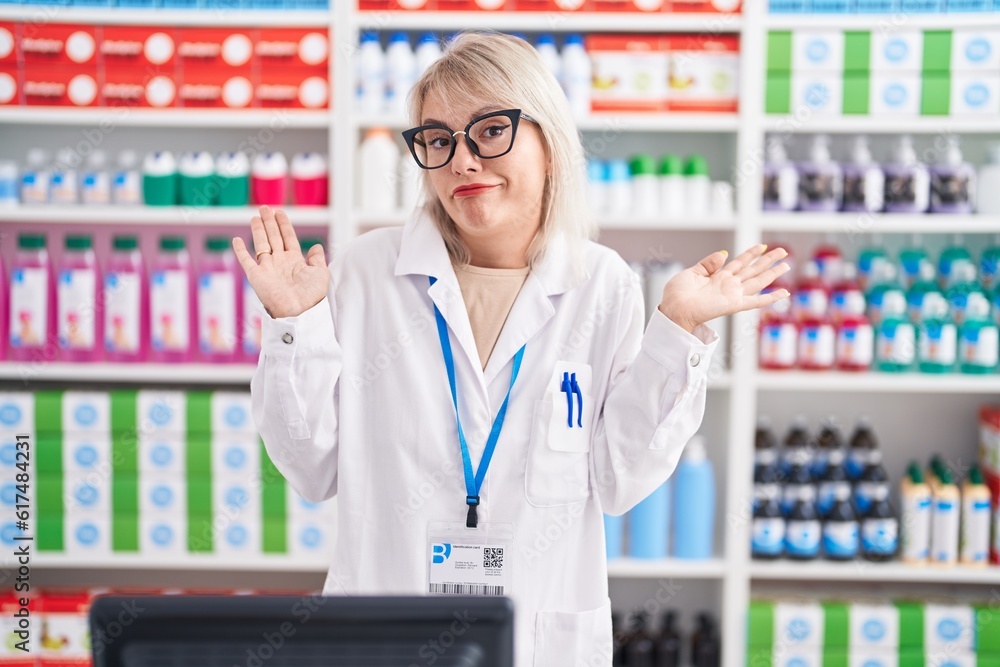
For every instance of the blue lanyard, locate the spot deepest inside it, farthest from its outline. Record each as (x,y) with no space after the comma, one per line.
(473,482)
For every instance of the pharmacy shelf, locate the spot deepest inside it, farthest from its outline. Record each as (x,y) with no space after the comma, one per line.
(882,22)
(864,571)
(182,562)
(238,216)
(942,125)
(227,16)
(608,122)
(669,568)
(369,221)
(891,223)
(707,24)
(873,382)
(107,119)
(145,374)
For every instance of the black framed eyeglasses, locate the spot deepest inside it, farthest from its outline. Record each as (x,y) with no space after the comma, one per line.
(488,136)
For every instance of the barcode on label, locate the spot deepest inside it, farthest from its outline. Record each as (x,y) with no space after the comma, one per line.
(493,557)
(467,589)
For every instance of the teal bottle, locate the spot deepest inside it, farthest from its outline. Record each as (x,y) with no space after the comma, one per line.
(979,338)
(937,336)
(911,258)
(953,256)
(989,264)
(895,337)
(963,285)
(884,281)
(922,286)
(870,259)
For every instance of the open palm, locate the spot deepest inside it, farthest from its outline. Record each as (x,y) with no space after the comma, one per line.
(712,288)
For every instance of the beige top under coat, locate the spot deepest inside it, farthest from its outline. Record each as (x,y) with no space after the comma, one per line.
(489,295)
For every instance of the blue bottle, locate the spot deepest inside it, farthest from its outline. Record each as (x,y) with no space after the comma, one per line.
(797,481)
(768,539)
(649,525)
(694,522)
(841,532)
(614,535)
(803,530)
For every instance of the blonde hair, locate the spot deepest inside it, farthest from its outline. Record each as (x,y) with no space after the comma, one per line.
(491,67)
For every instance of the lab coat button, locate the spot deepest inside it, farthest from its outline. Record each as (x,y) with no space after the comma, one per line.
(695,360)
(287,338)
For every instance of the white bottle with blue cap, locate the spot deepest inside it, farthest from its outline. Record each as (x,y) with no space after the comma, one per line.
(546,47)
(401,73)
(577,72)
(428,51)
(371,74)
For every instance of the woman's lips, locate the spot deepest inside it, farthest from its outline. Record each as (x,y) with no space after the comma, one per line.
(471,190)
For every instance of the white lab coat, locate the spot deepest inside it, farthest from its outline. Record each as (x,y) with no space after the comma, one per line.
(351,398)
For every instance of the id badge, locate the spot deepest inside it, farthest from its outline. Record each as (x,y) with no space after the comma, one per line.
(470,561)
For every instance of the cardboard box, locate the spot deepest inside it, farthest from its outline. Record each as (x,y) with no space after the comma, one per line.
(949,627)
(874,627)
(818,94)
(10,86)
(975,94)
(11,622)
(86,412)
(236,456)
(895,94)
(86,536)
(231,413)
(63,86)
(128,87)
(312,539)
(59,44)
(897,50)
(703,73)
(817,51)
(293,88)
(10,48)
(291,47)
(162,454)
(161,496)
(139,47)
(238,537)
(798,625)
(873,658)
(65,630)
(211,88)
(630,72)
(165,536)
(975,50)
(229,49)
(161,412)
(17,412)
(87,496)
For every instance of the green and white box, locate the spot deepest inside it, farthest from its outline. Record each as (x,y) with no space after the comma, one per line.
(949,627)
(818,94)
(86,536)
(873,627)
(231,413)
(895,94)
(161,412)
(163,536)
(798,624)
(897,50)
(974,50)
(974,94)
(818,51)
(800,656)
(86,412)
(949,658)
(873,658)
(17,413)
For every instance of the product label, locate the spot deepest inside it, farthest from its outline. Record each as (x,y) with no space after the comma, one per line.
(945,531)
(915,540)
(810,302)
(253,316)
(856,463)
(841,539)
(950,190)
(827,495)
(217,312)
(77,304)
(938,343)
(802,538)
(897,343)
(880,536)
(122,309)
(975,544)
(29,307)
(777,344)
(855,345)
(768,536)
(126,188)
(35,187)
(817,346)
(170,311)
(847,301)
(864,493)
(979,346)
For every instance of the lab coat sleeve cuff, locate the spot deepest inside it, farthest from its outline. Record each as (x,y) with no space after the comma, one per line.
(676,350)
(281,336)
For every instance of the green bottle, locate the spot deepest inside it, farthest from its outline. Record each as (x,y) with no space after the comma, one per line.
(937,336)
(159,179)
(910,260)
(870,258)
(197,179)
(925,284)
(883,283)
(980,337)
(963,285)
(895,336)
(953,256)
(232,173)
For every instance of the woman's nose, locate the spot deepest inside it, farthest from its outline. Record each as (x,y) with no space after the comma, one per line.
(464,159)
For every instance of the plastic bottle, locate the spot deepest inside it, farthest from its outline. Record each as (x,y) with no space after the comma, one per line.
(989,264)
(577,71)
(310,179)
(253,316)
(781,179)
(974,544)
(639,652)
(841,531)
(698,187)
(4,310)
(126,188)
(32,319)
(860,447)
(673,187)
(880,528)
(597,186)
(9,196)
(962,288)
(645,190)
(896,337)
(65,183)
(955,256)
(945,524)
(846,295)
(197,173)
(884,284)
(379,156)
(614,536)
(979,339)
(401,73)
(796,446)
(829,260)
(160,181)
(872,479)
(915,533)
(694,527)
(668,643)
(833,480)
(855,338)
(871,259)
(126,306)
(952,182)
(803,530)
(79,310)
(925,284)
(778,337)
(705,643)
(371,68)
(829,444)
(937,336)
(269,179)
(797,481)
(911,258)
(811,297)
(817,343)
(411,183)
(171,303)
(649,524)
(95,184)
(232,174)
(428,50)
(36,177)
(864,182)
(768,534)
(619,189)
(219,303)
(765,445)
(907,181)
(988,192)
(546,47)
(820,178)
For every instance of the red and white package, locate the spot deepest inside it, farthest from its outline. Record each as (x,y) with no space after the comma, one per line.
(18,624)
(10,48)
(629,72)
(65,639)
(141,88)
(10,85)
(552,5)
(291,47)
(293,88)
(138,46)
(473,5)
(221,48)
(211,87)
(61,86)
(703,73)
(705,6)
(59,44)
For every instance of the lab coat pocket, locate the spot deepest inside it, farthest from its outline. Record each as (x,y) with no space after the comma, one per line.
(558,466)
(573,638)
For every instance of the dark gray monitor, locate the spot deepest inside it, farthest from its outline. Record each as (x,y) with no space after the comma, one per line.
(295,631)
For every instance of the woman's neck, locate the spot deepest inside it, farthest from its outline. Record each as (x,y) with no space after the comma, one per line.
(505,253)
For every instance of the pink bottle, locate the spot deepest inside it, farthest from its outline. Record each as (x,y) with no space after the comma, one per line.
(171,303)
(268,179)
(310,180)
(126,303)
(32,301)
(778,337)
(847,295)
(855,342)
(811,297)
(830,262)
(80,313)
(219,303)
(817,343)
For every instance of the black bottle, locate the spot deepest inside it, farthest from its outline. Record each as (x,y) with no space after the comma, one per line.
(880,528)
(803,530)
(841,532)
(863,442)
(765,453)
(705,649)
(799,478)
(639,652)
(768,539)
(796,440)
(828,441)
(834,479)
(668,645)
(873,478)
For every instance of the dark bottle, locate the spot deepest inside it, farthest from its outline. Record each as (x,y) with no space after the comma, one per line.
(841,533)
(768,539)
(874,477)
(668,644)
(834,479)
(639,652)
(765,453)
(799,478)
(705,649)
(619,638)
(796,440)
(880,528)
(828,441)
(803,530)
(863,442)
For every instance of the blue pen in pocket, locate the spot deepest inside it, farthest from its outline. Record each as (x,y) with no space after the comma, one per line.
(579,402)
(567,388)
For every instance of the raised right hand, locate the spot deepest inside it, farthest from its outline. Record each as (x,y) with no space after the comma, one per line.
(286,283)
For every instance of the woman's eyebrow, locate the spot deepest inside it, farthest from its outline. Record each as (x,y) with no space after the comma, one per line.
(475,114)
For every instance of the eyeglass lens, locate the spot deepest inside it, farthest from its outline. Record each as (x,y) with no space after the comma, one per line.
(492,137)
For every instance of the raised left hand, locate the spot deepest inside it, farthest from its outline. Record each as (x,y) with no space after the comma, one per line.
(712,288)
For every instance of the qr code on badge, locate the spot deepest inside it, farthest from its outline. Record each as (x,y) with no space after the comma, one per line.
(493,557)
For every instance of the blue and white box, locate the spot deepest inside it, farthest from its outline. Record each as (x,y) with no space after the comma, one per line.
(897,51)
(86,412)
(817,51)
(162,412)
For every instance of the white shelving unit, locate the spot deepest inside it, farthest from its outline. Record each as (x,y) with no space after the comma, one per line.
(735,394)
